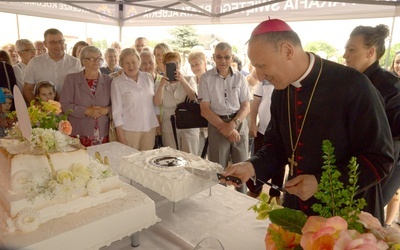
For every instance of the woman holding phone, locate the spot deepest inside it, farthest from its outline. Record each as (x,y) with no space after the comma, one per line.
(169,93)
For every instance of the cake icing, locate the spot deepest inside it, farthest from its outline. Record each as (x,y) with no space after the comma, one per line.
(36,186)
(162,170)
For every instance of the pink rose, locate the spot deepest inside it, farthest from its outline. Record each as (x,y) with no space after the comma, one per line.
(287,240)
(369,221)
(352,240)
(321,233)
(65,127)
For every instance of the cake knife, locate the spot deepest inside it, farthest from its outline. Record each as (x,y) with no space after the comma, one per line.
(280,189)
(209,175)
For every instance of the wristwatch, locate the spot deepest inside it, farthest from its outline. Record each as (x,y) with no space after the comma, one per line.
(237,121)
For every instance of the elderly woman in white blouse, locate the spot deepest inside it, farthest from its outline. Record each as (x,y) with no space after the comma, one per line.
(132,99)
(169,94)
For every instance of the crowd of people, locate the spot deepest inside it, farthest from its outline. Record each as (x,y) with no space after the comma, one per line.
(278,113)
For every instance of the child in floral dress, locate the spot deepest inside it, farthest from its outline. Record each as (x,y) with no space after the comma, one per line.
(6,103)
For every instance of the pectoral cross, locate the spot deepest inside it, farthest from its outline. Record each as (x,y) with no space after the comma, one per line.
(292,163)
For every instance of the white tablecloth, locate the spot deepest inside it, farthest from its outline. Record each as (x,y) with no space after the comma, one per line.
(224,215)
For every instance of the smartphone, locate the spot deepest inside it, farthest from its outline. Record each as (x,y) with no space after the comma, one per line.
(171,68)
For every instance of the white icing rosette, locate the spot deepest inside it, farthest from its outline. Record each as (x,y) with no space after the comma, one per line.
(21,180)
(80,170)
(93,187)
(27,220)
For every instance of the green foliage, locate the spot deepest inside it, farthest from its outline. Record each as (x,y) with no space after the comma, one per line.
(263,208)
(185,38)
(335,199)
(392,52)
(321,46)
(101,44)
(235,49)
(289,219)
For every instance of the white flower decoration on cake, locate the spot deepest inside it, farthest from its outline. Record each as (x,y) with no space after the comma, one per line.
(93,187)
(28,219)
(80,170)
(21,180)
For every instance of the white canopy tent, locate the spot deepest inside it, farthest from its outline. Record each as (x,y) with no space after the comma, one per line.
(190,12)
(125,13)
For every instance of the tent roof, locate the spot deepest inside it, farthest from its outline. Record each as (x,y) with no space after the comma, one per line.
(180,12)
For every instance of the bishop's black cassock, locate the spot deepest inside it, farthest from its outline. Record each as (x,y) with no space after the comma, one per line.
(347,110)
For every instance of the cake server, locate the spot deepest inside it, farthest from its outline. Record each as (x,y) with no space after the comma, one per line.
(209,175)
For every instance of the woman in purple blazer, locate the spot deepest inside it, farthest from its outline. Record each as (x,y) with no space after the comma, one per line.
(86,96)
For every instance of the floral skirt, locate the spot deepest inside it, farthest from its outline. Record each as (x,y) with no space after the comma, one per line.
(88,141)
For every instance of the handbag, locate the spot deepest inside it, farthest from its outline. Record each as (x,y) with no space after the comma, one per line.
(188,115)
(112,134)
(158,142)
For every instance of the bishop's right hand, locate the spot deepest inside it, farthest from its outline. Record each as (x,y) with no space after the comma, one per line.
(242,170)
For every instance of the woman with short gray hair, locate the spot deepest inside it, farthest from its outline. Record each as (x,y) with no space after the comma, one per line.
(87,94)
(111,57)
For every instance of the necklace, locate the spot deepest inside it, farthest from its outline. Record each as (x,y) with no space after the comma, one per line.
(291,160)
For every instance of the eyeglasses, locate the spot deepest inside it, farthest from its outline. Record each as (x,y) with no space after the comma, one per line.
(61,42)
(218,57)
(92,59)
(29,50)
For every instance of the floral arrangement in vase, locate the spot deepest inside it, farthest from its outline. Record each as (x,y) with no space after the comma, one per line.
(341,224)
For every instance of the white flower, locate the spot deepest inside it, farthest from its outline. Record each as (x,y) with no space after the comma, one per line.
(21,180)
(67,189)
(80,170)
(79,186)
(28,219)
(49,140)
(64,175)
(93,187)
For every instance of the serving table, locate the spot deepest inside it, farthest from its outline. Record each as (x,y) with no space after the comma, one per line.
(223,215)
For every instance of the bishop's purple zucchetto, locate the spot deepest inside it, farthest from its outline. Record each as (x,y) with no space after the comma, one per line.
(271,25)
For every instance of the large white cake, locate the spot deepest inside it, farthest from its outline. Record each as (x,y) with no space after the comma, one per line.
(34,189)
(162,170)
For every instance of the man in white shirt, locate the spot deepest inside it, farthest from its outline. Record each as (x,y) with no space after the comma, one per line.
(225,102)
(26,52)
(52,66)
(140,43)
(40,48)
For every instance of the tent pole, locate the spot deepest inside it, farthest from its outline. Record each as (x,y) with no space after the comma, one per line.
(120,21)
(120,33)
(390,43)
(17,17)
